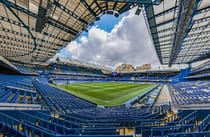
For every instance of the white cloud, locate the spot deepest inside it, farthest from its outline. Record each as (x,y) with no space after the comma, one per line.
(128,42)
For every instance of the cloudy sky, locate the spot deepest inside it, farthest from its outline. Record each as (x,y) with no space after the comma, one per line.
(113,41)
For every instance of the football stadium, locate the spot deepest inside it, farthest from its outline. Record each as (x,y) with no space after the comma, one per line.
(44,94)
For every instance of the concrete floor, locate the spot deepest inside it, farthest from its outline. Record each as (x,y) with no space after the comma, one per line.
(164,96)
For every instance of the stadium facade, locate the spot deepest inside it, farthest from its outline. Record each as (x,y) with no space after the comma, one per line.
(33,103)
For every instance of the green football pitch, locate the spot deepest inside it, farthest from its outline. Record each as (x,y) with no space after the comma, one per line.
(107,93)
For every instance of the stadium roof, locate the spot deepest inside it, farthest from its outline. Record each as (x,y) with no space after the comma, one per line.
(180,30)
(78,63)
(34,30)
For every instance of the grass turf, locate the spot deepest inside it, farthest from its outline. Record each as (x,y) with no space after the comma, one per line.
(107,93)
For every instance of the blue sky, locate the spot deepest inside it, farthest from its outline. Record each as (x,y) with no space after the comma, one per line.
(106,23)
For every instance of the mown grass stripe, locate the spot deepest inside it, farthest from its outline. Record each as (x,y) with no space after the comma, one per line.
(105,90)
(107,94)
